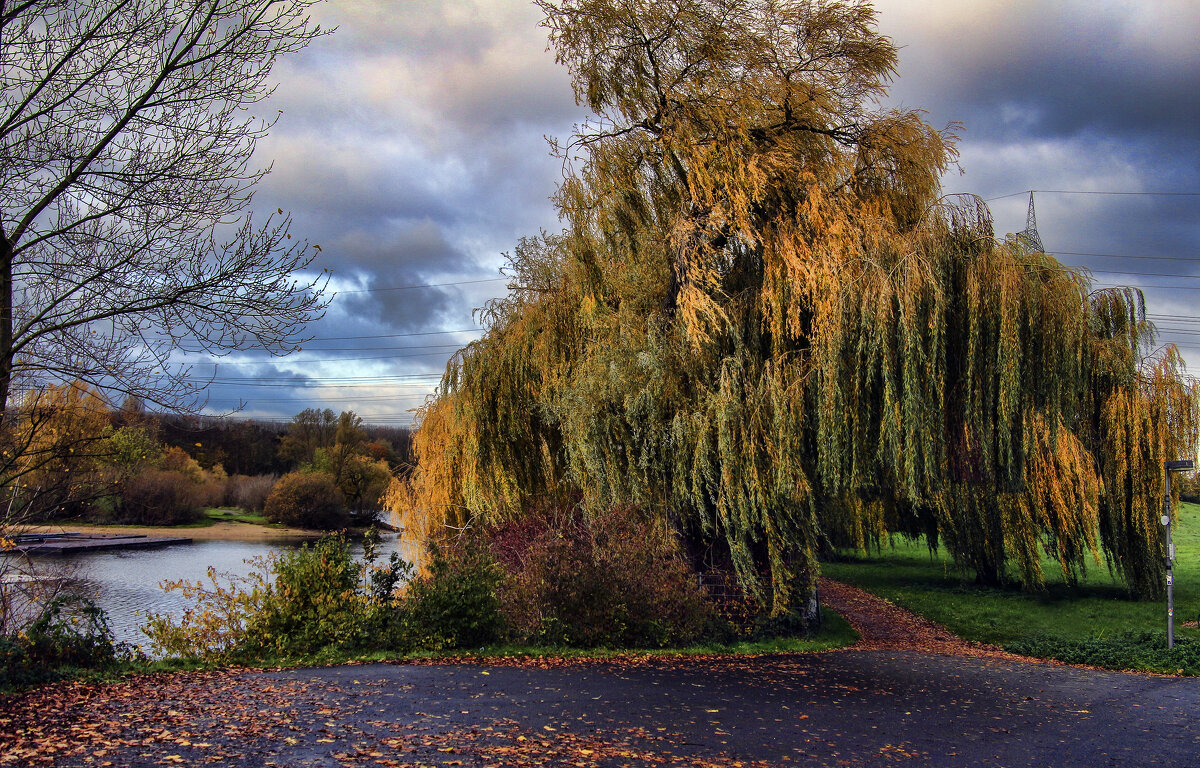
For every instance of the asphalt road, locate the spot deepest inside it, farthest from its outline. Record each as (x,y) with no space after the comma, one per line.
(850,707)
(853,707)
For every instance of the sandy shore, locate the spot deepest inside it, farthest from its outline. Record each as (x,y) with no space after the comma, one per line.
(224,531)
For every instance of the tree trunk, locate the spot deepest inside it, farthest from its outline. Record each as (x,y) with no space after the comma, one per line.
(6,318)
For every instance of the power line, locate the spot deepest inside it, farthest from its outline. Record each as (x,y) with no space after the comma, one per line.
(423,285)
(371,377)
(1126,256)
(292,361)
(1089,192)
(329,385)
(1140,274)
(394,335)
(354,398)
(348,349)
(374,336)
(1101,192)
(384,419)
(1156,287)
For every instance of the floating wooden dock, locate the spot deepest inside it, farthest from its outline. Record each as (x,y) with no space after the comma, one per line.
(71,543)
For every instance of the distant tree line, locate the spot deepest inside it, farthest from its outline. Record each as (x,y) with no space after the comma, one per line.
(83,459)
(257,447)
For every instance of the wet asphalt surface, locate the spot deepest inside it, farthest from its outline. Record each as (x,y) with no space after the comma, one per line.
(839,708)
(851,707)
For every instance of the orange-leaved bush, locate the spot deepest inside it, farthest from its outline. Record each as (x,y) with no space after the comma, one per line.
(306,500)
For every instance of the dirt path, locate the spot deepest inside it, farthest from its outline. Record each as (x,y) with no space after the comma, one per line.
(885,626)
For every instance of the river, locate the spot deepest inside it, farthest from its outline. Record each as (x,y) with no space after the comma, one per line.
(126,583)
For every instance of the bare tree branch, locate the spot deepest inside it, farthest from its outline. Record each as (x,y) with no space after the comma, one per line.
(125,146)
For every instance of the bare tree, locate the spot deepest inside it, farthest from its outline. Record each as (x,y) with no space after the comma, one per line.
(126,134)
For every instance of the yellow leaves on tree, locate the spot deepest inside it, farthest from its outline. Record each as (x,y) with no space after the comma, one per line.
(762,323)
(52,446)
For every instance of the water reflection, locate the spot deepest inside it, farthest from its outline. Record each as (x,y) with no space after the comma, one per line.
(125,583)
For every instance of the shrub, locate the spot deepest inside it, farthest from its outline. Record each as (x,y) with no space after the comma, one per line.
(211,493)
(296,604)
(1123,650)
(313,603)
(249,493)
(175,459)
(216,628)
(69,632)
(455,604)
(160,497)
(613,579)
(306,500)
(14,667)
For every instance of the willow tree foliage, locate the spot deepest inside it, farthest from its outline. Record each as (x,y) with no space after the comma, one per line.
(762,321)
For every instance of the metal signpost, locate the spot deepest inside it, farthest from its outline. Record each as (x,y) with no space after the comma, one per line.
(1171,466)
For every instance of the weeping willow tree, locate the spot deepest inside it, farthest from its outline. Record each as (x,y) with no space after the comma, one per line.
(763,323)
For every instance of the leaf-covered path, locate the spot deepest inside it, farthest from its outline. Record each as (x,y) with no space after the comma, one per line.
(884,626)
(879,704)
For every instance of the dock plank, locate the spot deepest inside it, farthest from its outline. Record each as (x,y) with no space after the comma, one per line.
(72,543)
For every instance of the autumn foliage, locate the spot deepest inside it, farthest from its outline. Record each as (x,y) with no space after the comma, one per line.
(306,500)
(613,579)
(764,326)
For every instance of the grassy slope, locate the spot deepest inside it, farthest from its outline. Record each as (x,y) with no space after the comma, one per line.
(929,584)
(235,515)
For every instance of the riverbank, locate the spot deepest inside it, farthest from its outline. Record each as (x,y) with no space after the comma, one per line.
(219,531)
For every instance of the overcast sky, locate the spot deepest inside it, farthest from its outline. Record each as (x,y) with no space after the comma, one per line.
(412,149)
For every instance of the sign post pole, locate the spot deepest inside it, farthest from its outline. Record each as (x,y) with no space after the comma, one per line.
(1171,466)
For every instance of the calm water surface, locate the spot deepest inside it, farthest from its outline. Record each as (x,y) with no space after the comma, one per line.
(125,583)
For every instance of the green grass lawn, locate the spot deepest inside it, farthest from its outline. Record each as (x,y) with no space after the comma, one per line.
(234,515)
(928,583)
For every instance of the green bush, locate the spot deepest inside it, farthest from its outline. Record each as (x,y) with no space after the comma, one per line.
(14,665)
(69,632)
(297,604)
(307,500)
(1124,650)
(215,628)
(455,604)
(313,603)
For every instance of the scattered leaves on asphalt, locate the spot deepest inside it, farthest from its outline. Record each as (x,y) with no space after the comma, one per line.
(242,717)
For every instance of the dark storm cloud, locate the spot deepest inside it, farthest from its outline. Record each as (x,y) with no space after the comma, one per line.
(1072,96)
(1025,69)
(410,146)
(356,183)
(417,310)
(421,246)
